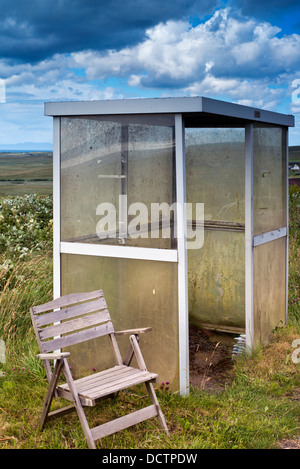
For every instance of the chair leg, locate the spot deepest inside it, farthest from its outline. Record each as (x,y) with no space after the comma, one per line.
(79,409)
(50,393)
(154,400)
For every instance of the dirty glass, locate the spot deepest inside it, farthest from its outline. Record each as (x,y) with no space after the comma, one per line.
(269,178)
(269,213)
(117,176)
(138,294)
(269,272)
(215,176)
(215,172)
(216,281)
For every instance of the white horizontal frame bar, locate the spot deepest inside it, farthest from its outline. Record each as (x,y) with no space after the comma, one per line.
(122,252)
(270,236)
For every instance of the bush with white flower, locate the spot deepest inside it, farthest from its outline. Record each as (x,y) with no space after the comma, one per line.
(25,226)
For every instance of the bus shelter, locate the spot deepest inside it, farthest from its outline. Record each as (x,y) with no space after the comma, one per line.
(178,209)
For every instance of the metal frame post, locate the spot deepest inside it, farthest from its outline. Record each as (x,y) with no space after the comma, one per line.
(182,258)
(249,311)
(287,224)
(56,208)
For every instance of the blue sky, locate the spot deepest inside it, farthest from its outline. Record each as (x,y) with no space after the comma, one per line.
(236,50)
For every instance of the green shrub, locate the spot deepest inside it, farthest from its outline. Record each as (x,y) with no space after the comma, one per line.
(25,226)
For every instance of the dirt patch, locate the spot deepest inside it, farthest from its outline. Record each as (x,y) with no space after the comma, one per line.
(211,363)
(210,359)
(290,444)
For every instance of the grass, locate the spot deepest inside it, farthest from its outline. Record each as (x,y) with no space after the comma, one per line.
(24,173)
(294,157)
(257,410)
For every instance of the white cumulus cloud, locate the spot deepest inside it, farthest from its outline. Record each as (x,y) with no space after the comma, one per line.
(173,52)
(227,56)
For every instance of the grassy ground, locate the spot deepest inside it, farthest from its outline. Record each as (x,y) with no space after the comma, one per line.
(25,173)
(294,154)
(258,410)
(294,157)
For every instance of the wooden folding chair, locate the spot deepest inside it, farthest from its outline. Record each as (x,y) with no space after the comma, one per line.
(76,318)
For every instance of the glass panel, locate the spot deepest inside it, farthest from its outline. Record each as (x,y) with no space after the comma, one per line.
(215,176)
(216,275)
(139,294)
(269,271)
(215,173)
(113,172)
(269,178)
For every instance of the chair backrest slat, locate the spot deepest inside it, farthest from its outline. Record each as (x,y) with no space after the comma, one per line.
(74,325)
(77,337)
(72,319)
(69,312)
(66,300)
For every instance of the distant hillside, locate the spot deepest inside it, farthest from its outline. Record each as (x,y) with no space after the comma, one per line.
(27,146)
(294,153)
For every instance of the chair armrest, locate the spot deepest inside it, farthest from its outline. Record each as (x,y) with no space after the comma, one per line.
(53,356)
(134,331)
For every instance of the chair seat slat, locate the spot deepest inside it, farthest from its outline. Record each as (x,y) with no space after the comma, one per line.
(89,383)
(109,381)
(121,384)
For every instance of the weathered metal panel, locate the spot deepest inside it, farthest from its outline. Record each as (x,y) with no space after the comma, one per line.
(269,287)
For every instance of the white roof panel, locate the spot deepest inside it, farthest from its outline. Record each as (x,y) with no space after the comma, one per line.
(192,105)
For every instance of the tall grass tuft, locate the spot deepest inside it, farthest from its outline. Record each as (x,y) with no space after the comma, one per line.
(294,254)
(24,284)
